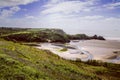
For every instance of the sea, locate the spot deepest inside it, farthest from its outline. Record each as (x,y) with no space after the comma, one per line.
(107,34)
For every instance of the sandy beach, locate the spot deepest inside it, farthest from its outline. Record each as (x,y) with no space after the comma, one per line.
(103,50)
(70,54)
(107,51)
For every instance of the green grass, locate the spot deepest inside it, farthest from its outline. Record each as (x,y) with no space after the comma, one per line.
(22,62)
(63,49)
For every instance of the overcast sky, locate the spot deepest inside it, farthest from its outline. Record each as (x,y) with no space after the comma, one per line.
(74,16)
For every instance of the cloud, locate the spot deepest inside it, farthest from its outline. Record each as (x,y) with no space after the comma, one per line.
(23,22)
(7,3)
(74,24)
(65,14)
(112,5)
(9,12)
(56,1)
(93,17)
(30,17)
(67,7)
(10,7)
(96,24)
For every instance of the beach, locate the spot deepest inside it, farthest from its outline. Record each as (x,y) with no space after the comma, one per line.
(106,51)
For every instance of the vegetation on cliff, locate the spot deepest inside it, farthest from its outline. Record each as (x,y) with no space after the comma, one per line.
(85,37)
(41,35)
(35,35)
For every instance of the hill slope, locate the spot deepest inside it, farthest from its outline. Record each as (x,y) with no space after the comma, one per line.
(21,62)
(35,35)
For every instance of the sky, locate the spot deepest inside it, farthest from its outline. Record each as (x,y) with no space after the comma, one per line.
(100,17)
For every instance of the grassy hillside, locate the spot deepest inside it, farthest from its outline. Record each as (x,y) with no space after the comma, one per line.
(21,62)
(7,30)
(41,35)
(36,35)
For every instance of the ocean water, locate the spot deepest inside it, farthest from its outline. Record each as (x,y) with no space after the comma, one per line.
(108,34)
(113,38)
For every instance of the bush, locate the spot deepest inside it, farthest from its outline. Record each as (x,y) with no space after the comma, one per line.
(97,37)
(78,37)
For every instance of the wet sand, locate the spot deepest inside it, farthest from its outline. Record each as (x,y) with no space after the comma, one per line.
(108,50)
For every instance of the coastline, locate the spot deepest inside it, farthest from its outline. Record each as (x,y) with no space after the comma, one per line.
(103,50)
(106,51)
